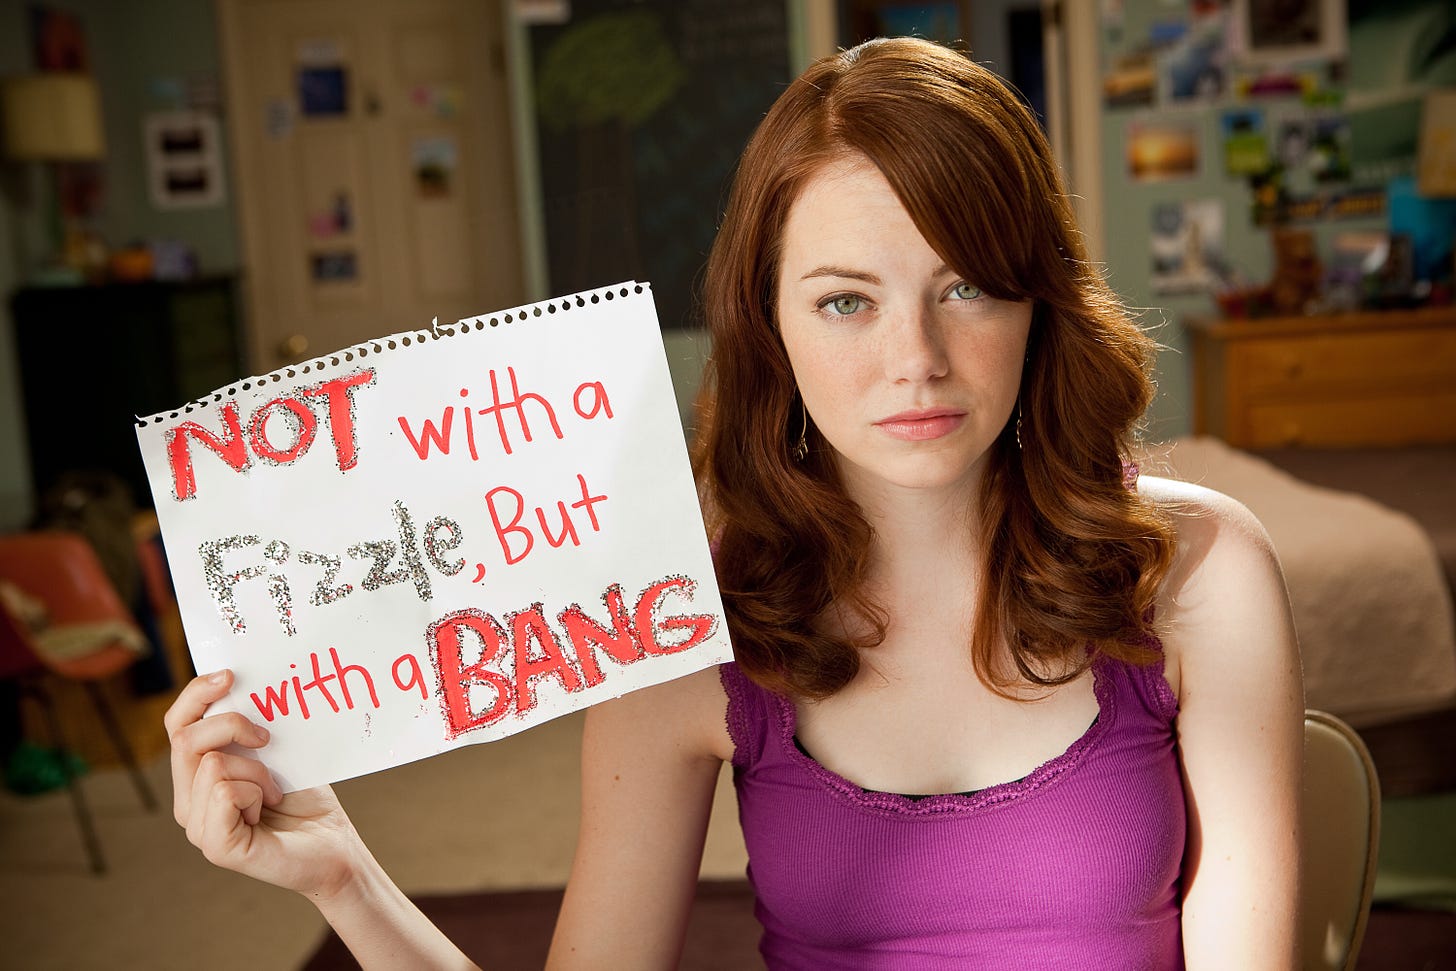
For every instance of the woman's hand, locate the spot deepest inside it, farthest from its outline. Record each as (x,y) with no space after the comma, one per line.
(236,814)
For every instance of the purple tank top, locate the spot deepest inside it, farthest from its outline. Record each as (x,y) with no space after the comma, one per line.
(1075,866)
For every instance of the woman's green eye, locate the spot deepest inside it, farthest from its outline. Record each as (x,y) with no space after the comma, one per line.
(844,304)
(966,291)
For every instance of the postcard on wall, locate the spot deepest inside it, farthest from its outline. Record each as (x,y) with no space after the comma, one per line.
(1245,146)
(1159,150)
(440,537)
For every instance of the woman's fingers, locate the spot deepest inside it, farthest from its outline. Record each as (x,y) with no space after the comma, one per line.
(226,767)
(193,736)
(219,770)
(191,744)
(227,728)
(226,817)
(193,699)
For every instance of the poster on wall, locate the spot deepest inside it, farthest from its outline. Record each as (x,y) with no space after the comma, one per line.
(322,79)
(441,537)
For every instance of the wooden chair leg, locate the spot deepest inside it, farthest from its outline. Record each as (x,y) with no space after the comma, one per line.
(73,785)
(123,749)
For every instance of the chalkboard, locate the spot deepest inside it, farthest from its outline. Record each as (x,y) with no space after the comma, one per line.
(642,109)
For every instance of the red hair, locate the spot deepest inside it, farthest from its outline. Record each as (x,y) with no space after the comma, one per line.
(1074,557)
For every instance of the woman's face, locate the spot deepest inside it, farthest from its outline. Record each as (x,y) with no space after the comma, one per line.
(906,368)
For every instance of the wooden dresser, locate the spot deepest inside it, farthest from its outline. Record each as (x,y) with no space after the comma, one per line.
(1346,380)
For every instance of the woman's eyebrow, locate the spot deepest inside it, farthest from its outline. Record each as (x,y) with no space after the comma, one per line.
(841,271)
(845,272)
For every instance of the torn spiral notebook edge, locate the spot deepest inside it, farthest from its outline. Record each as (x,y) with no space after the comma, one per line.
(392,343)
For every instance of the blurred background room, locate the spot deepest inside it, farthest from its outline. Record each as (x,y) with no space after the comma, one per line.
(196,191)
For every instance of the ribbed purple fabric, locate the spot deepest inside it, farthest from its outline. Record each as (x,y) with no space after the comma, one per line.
(1075,866)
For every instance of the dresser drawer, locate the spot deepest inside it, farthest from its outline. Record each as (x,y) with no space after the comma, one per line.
(1407,418)
(1368,360)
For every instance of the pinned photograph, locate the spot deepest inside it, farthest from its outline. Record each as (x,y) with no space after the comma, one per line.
(1195,68)
(1245,145)
(1187,246)
(1159,151)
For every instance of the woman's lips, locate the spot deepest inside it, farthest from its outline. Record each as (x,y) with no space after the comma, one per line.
(922,426)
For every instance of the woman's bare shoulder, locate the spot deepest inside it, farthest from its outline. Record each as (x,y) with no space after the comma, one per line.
(688,713)
(1224,580)
(1213,531)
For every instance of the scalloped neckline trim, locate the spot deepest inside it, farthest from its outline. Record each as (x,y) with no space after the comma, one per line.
(1002,793)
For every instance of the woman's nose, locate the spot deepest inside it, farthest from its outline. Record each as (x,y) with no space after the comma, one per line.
(915,346)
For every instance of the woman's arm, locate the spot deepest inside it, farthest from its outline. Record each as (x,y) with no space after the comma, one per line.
(234,812)
(650,762)
(1240,735)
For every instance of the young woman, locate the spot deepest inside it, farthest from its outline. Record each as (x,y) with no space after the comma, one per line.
(998,701)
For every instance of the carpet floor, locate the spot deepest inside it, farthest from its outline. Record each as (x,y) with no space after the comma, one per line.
(513,931)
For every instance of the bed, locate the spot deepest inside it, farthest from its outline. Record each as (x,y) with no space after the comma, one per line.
(1367,540)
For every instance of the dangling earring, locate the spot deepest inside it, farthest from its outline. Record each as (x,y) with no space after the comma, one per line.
(800,451)
(1026,362)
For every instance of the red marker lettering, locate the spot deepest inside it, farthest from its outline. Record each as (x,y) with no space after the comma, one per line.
(527,626)
(340,395)
(230,447)
(457,677)
(586,635)
(650,625)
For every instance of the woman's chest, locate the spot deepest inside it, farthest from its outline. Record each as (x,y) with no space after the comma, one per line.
(922,731)
(1089,843)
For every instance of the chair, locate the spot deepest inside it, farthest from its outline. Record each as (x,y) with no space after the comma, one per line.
(1341,834)
(63,572)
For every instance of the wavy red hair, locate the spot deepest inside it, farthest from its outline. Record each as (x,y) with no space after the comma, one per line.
(1074,557)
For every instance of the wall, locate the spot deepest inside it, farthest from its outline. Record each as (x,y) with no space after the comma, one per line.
(14,469)
(149,54)
(144,53)
(1376,91)
(138,50)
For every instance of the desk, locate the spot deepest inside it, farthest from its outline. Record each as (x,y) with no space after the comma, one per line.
(1337,381)
(93,357)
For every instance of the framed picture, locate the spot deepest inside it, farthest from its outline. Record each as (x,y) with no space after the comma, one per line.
(184,159)
(1285,31)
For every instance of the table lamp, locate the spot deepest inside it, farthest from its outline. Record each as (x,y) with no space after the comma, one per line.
(55,117)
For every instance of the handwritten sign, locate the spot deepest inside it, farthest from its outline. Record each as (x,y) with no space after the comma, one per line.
(440,537)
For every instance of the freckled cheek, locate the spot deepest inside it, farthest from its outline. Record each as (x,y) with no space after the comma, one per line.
(994,361)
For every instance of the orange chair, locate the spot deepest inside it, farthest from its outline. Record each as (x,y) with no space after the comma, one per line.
(63,572)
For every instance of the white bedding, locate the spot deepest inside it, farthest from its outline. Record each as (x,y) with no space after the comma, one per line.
(1370,602)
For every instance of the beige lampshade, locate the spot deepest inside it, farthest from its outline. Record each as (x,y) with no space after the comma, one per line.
(52,117)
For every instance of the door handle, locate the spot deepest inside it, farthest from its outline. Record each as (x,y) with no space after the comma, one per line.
(292,348)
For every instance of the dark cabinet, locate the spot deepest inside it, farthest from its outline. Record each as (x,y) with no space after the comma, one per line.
(92,358)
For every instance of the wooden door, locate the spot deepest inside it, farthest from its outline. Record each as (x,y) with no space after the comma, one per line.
(375,178)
